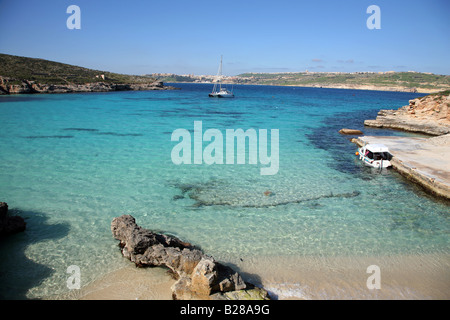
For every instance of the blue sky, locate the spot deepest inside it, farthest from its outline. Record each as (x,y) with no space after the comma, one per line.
(188,36)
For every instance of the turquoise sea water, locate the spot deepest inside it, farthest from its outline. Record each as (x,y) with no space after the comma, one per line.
(70,163)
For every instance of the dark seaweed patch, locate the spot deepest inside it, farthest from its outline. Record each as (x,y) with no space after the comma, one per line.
(342,151)
(116,134)
(49,137)
(194,191)
(225,112)
(218,202)
(80,129)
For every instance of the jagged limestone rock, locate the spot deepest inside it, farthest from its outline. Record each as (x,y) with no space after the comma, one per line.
(198,275)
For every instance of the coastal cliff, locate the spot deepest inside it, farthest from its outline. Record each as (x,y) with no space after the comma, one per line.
(429,115)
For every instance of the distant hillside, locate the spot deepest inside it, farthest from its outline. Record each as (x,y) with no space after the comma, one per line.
(50,72)
(390,81)
(385,81)
(31,75)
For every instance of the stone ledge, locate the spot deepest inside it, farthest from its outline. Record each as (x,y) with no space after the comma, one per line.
(436,183)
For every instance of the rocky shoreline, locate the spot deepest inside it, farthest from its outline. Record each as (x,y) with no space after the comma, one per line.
(29,87)
(424,161)
(429,115)
(199,276)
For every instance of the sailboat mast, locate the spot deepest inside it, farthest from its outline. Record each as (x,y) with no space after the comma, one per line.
(219,93)
(220,74)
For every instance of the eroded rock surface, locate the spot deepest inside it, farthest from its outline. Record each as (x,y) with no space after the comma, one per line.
(429,114)
(10,86)
(199,276)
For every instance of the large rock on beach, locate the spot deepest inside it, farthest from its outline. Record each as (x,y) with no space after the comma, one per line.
(199,276)
(9,224)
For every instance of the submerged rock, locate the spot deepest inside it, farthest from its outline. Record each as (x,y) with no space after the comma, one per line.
(245,203)
(198,275)
(247,294)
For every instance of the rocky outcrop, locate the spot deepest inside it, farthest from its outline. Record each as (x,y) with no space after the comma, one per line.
(430,115)
(9,224)
(350,131)
(10,86)
(198,275)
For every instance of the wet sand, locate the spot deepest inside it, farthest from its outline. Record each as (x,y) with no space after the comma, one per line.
(296,278)
(128,283)
(318,278)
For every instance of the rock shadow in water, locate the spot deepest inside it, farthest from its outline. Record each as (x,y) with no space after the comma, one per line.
(18,273)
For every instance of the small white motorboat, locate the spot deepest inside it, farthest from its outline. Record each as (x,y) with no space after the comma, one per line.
(375,155)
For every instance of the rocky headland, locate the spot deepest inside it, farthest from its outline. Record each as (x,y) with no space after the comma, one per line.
(10,86)
(21,75)
(429,115)
(199,276)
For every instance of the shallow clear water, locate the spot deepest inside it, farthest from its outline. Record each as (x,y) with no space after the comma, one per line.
(70,163)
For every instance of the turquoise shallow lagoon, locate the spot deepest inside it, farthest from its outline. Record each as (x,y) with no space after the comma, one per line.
(70,163)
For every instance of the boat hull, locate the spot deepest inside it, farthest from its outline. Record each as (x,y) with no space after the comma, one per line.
(221,95)
(375,163)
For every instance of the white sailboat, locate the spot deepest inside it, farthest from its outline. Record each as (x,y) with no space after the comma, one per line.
(219,91)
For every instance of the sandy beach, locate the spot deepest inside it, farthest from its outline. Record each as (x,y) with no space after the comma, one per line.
(294,278)
(128,283)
